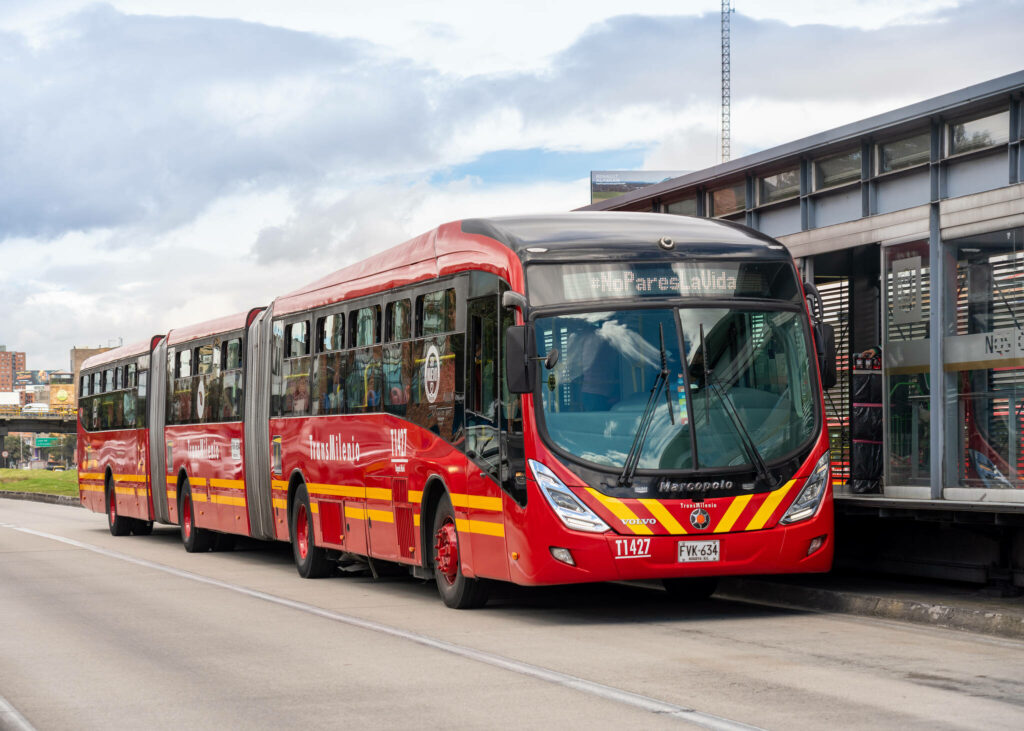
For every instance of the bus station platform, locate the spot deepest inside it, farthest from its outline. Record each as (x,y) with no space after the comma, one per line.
(950,605)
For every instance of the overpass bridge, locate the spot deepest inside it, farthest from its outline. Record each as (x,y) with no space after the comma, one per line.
(61,420)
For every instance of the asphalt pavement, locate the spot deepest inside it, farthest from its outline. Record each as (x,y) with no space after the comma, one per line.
(956,606)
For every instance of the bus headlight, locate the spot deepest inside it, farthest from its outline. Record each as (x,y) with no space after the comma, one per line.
(807,502)
(567,507)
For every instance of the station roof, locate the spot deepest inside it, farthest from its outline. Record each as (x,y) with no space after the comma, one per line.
(964,100)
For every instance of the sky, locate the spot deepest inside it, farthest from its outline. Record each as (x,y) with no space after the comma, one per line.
(165,162)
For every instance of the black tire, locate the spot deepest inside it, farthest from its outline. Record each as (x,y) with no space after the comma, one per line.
(195,540)
(691,589)
(456,590)
(142,527)
(310,561)
(223,542)
(119,525)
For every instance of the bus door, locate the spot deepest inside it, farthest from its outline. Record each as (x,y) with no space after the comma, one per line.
(484,501)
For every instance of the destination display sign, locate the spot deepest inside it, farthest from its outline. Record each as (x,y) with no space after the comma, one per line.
(556,283)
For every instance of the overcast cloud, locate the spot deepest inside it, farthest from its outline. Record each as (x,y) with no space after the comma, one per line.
(162,169)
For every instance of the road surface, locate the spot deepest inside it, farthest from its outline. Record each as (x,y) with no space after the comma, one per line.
(105,632)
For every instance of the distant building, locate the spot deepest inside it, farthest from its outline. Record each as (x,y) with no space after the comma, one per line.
(10,363)
(79,356)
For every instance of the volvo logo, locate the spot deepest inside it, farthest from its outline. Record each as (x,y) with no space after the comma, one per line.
(671,486)
(700,519)
(638,521)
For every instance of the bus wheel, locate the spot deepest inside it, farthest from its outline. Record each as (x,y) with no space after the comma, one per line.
(457,591)
(692,589)
(195,540)
(118,524)
(310,561)
(142,527)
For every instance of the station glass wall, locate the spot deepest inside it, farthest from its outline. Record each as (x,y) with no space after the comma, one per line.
(983,350)
(907,383)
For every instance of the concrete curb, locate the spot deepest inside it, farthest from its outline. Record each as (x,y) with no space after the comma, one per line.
(985,621)
(40,497)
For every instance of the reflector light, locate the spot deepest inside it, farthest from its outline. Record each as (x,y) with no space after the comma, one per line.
(815,544)
(563,555)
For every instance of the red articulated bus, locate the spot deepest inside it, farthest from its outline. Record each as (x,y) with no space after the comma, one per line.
(540,400)
(113,438)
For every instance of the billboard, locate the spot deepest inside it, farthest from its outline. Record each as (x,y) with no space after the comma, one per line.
(605,184)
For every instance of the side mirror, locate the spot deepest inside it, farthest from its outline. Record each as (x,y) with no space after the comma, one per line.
(825,344)
(519,368)
(551,359)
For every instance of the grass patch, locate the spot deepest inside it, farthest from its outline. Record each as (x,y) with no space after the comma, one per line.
(51,483)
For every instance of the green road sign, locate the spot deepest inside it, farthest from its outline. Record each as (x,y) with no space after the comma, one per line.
(47,441)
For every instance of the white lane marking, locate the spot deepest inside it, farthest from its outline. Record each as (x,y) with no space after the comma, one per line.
(11,720)
(642,702)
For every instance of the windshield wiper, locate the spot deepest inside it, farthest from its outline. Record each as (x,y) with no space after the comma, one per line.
(660,381)
(747,441)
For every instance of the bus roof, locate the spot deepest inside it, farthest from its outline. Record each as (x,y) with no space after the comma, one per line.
(132,350)
(229,323)
(568,234)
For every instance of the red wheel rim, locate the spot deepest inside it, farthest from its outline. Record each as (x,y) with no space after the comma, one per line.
(186,518)
(113,507)
(446,551)
(302,532)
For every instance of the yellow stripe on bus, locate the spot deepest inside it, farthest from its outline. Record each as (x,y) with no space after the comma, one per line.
(356,513)
(228,500)
(660,512)
(229,484)
(415,496)
(130,478)
(89,488)
(90,476)
(198,497)
(477,502)
(769,505)
(733,513)
(622,512)
(280,504)
(481,527)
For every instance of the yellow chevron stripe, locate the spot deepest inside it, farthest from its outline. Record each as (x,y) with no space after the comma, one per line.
(415,496)
(481,527)
(660,512)
(769,505)
(477,502)
(622,512)
(229,484)
(733,513)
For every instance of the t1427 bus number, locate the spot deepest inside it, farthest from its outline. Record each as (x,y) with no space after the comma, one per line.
(632,548)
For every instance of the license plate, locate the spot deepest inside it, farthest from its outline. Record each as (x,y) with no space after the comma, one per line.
(696,551)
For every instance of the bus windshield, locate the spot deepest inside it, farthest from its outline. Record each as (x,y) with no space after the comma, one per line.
(753,361)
